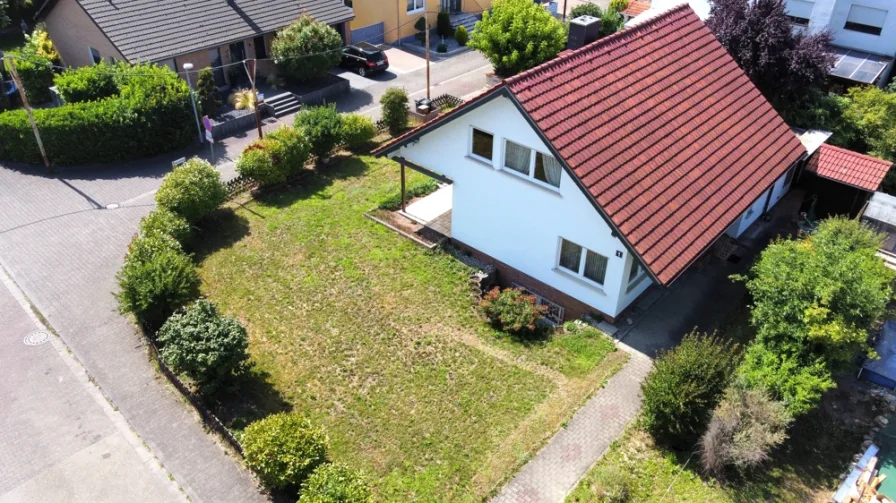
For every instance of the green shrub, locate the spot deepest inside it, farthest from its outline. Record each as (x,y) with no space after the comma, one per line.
(357,131)
(517,35)
(162,222)
(744,429)
(208,347)
(306,49)
(283,449)
(290,149)
(511,309)
(684,387)
(151,114)
(157,278)
(208,92)
(393,202)
(192,190)
(586,9)
(88,83)
(335,483)
(395,110)
(461,35)
(799,385)
(442,48)
(443,24)
(36,74)
(323,128)
(257,163)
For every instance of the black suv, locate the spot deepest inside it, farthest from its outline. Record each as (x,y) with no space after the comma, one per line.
(364,59)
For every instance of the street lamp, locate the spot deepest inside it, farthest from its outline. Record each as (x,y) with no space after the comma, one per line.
(187,68)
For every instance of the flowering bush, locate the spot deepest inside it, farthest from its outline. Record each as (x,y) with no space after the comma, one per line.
(511,309)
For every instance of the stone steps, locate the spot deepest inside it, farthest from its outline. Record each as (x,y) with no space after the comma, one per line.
(284,104)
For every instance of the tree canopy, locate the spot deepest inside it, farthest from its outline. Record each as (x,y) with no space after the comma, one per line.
(517,35)
(306,49)
(786,65)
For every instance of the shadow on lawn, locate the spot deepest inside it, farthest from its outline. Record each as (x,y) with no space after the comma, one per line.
(220,230)
(252,397)
(340,167)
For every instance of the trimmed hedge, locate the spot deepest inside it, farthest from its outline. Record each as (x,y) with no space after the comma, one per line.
(192,190)
(150,114)
(164,222)
(323,127)
(283,449)
(90,83)
(357,131)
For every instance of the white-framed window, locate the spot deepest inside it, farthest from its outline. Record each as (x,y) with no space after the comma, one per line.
(416,5)
(578,260)
(532,163)
(95,55)
(799,11)
(865,19)
(635,271)
(482,145)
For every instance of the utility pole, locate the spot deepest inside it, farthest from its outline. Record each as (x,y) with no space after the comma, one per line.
(254,96)
(427,54)
(40,144)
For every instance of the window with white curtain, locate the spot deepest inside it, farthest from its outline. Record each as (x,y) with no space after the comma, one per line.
(582,262)
(865,19)
(531,163)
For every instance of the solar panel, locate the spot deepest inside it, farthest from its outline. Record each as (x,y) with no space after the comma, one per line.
(857,65)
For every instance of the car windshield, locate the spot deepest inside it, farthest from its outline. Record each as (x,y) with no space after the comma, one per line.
(375,56)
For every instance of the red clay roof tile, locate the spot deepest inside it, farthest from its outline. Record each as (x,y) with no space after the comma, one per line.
(851,168)
(635,8)
(664,130)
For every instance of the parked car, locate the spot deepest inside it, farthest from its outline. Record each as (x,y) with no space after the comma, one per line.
(364,59)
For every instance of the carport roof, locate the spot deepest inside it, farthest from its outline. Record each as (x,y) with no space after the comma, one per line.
(848,167)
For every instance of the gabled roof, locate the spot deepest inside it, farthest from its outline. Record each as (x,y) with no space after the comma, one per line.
(851,168)
(662,129)
(152,30)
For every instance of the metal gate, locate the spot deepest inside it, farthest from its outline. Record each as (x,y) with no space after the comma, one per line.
(373,34)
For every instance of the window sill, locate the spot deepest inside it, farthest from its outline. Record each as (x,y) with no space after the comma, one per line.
(416,11)
(480,160)
(531,181)
(579,279)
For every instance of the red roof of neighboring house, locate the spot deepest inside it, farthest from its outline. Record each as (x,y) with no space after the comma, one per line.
(663,130)
(635,8)
(851,168)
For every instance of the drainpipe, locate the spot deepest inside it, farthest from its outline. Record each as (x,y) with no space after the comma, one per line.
(398,20)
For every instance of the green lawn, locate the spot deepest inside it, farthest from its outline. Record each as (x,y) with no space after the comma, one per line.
(379,340)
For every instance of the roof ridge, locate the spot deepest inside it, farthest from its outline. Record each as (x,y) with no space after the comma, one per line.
(600,42)
(854,153)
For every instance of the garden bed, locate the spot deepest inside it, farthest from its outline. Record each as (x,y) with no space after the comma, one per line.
(379,340)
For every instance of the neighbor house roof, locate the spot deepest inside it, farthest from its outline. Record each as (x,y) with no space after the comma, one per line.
(662,129)
(152,30)
(851,168)
(635,8)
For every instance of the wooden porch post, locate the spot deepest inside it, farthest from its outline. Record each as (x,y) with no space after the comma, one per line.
(401,162)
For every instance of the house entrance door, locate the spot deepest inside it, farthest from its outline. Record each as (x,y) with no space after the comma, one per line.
(451,5)
(214,57)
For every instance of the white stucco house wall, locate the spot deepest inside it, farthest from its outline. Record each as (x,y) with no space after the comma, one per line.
(588,185)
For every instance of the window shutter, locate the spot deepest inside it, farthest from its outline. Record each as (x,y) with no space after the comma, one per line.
(868,16)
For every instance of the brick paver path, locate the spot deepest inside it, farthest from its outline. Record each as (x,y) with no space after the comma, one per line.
(559,466)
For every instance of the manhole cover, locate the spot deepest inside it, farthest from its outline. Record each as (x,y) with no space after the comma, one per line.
(37,338)
(112,206)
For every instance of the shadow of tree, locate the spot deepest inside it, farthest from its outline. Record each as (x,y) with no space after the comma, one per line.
(250,397)
(341,167)
(220,230)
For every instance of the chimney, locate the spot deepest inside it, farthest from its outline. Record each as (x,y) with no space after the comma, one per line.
(582,31)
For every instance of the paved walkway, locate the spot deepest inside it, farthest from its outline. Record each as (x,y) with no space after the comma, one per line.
(89,452)
(62,248)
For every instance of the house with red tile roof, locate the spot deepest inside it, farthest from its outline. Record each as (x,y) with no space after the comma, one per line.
(610,168)
(841,181)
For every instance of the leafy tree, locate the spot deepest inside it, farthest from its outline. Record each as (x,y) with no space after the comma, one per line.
(395,110)
(283,449)
(586,9)
(783,63)
(335,483)
(814,302)
(156,279)
(323,128)
(744,429)
(40,42)
(192,190)
(208,92)
(684,387)
(517,35)
(306,49)
(611,21)
(208,347)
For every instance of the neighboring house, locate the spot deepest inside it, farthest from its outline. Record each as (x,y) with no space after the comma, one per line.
(864,35)
(610,168)
(174,32)
(387,21)
(842,180)
(635,9)
(880,215)
(657,7)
